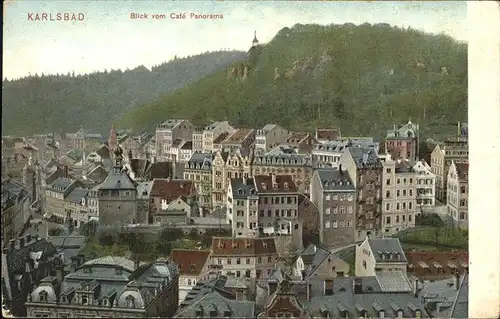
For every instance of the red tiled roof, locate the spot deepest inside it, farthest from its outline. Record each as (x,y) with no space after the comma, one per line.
(227,246)
(284,184)
(297,137)
(190,262)
(221,138)
(448,261)
(170,190)
(329,134)
(238,136)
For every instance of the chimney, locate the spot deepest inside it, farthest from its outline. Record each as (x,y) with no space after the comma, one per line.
(21,242)
(136,263)
(457,281)
(328,287)
(65,171)
(12,244)
(60,273)
(357,286)
(415,287)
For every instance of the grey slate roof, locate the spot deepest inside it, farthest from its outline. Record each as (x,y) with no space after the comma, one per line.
(170,124)
(61,184)
(202,161)
(212,296)
(382,247)
(16,259)
(240,190)
(118,180)
(364,157)
(77,195)
(333,179)
(460,307)
(269,127)
(343,298)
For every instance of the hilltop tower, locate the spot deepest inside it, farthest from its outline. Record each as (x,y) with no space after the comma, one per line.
(255,42)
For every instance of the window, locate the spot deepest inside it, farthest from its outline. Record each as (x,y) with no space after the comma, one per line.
(43,296)
(238,261)
(388,181)
(259,260)
(342,209)
(335,225)
(229,261)
(349,223)
(248,261)
(409,218)
(398,181)
(130,302)
(327,211)
(364,264)
(269,259)
(387,206)
(388,170)
(327,197)
(398,193)
(219,261)
(85,300)
(327,224)
(387,194)
(189,282)
(238,274)
(342,224)
(388,220)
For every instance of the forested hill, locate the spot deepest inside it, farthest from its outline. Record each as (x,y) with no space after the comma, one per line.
(363,78)
(65,103)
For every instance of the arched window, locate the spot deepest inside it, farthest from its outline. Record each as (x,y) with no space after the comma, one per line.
(130,302)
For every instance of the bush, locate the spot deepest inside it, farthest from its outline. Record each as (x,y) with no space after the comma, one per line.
(431,220)
(55,232)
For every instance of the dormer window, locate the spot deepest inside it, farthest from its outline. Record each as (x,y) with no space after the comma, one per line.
(264,244)
(285,185)
(264,186)
(43,296)
(240,192)
(130,302)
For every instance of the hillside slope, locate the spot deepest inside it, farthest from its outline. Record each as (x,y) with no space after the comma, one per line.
(66,102)
(362,78)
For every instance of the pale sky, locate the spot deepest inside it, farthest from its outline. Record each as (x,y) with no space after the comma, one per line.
(108,39)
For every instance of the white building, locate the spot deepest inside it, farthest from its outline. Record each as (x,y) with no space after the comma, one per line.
(399,193)
(457,193)
(380,255)
(426,184)
(193,267)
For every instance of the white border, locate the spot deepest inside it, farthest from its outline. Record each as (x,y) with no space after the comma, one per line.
(484,158)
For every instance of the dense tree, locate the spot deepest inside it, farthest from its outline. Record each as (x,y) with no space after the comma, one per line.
(66,102)
(364,78)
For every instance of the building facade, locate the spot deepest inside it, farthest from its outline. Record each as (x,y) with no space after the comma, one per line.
(167,133)
(426,184)
(458,194)
(365,169)
(403,142)
(399,193)
(199,170)
(109,287)
(453,149)
(333,192)
(270,136)
(380,255)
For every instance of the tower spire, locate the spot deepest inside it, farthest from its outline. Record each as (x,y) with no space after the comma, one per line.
(255,41)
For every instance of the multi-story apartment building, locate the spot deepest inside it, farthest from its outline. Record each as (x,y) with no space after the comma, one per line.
(240,139)
(458,194)
(55,195)
(199,170)
(175,194)
(15,208)
(453,149)
(328,154)
(226,165)
(107,287)
(301,142)
(193,268)
(333,192)
(283,161)
(76,206)
(243,257)
(117,196)
(180,151)
(264,204)
(25,261)
(270,136)
(380,255)
(365,170)
(402,142)
(399,192)
(242,207)
(212,132)
(197,139)
(168,132)
(426,184)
